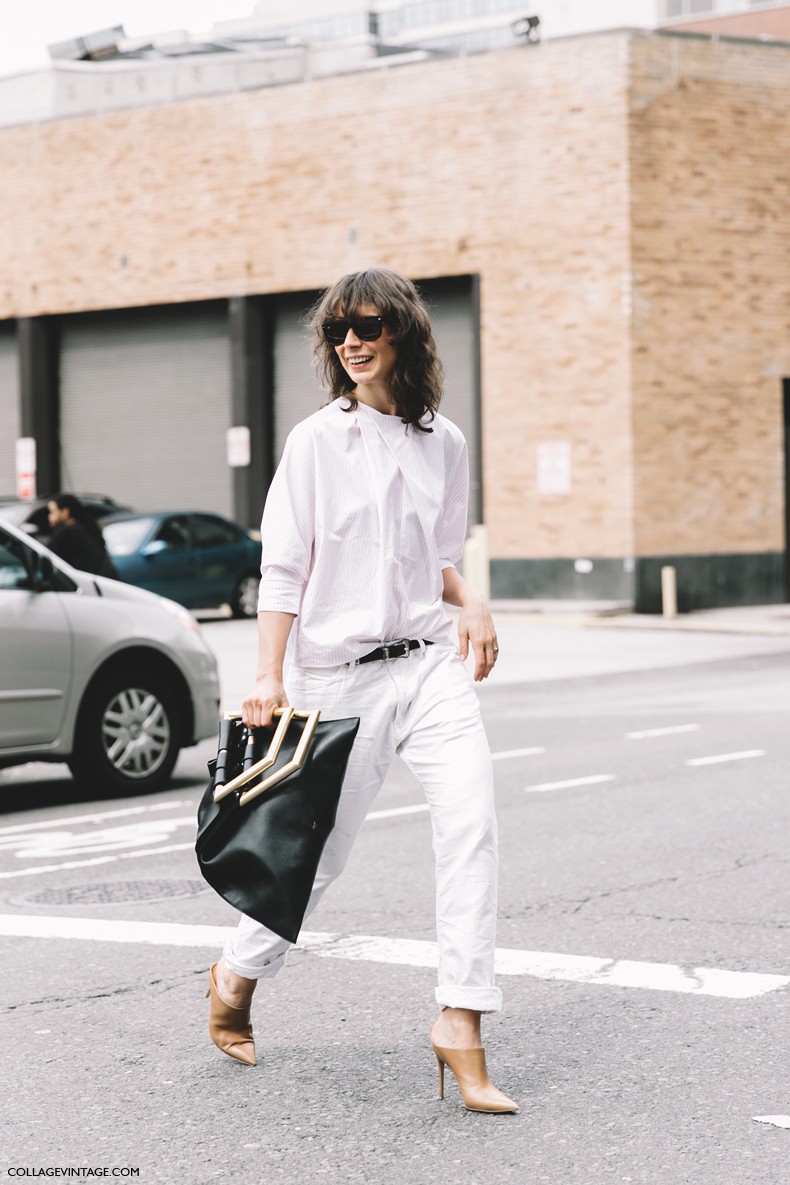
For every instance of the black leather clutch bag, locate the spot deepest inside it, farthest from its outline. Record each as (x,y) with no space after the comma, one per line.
(268,811)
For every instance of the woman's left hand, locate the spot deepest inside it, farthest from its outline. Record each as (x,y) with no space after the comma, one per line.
(476,626)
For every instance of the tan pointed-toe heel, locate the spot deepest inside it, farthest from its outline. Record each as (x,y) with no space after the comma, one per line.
(229,1028)
(477,1090)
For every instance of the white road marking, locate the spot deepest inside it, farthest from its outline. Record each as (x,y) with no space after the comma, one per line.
(112,930)
(670,730)
(67,820)
(54,843)
(42,868)
(139,837)
(660,977)
(718,758)
(515,753)
(394,811)
(592,780)
(583,969)
(774,1120)
(141,833)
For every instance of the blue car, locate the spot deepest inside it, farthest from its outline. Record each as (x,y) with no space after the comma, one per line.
(200,560)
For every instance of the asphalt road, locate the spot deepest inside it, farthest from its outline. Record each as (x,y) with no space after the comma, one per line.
(645,907)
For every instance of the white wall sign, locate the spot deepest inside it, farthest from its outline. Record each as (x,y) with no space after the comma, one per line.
(554,467)
(25,467)
(238,447)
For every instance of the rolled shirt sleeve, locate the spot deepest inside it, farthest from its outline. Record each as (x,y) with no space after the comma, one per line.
(288,527)
(451,528)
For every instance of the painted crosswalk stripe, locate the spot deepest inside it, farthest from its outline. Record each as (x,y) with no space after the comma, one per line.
(670,730)
(405,952)
(774,1120)
(719,758)
(569,784)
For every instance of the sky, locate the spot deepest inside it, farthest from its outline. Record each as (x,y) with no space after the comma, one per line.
(27,27)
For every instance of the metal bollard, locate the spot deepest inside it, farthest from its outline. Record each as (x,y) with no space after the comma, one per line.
(669,591)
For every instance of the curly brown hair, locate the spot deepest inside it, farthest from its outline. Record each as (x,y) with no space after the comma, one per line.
(416,384)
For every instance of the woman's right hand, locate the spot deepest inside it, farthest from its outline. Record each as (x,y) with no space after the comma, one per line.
(257,711)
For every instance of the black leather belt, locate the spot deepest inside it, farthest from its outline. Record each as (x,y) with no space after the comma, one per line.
(399,649)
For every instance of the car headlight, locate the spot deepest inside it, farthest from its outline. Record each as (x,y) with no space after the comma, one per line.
(182,615)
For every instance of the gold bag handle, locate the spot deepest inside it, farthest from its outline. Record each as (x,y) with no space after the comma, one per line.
(273,752)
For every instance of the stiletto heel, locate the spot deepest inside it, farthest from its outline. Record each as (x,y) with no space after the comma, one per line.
(477,1090)
(229,1028)
(440,1064)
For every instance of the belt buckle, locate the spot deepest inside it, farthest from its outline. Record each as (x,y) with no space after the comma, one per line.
(391,649)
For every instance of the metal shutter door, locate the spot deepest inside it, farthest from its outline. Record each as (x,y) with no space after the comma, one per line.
(456,332)
(297,393)
(145,405)
(9,409)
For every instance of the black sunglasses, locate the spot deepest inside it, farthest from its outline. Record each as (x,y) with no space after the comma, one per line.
(367,329)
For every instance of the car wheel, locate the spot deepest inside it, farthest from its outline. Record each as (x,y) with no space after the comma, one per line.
(128,735)
(245,599)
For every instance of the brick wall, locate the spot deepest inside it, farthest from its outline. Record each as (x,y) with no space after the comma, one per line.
(710,187)
(588,181)
(513,165)
(771,23)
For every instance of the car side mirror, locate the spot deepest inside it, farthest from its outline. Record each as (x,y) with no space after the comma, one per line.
(43,579)
(155,547)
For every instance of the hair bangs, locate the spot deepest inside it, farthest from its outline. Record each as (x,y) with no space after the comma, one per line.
(349,295)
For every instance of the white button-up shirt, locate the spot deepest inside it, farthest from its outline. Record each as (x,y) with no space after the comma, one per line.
(361,517)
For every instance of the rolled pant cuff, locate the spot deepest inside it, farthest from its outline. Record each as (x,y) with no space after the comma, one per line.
(477,999)
(265,970)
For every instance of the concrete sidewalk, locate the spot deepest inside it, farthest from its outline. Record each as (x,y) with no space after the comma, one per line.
(747,619)
(552,640)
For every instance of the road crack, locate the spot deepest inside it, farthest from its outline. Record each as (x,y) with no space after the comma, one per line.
(161,986)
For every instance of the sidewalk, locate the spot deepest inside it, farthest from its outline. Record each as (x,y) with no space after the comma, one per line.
(549,640)
(771,620)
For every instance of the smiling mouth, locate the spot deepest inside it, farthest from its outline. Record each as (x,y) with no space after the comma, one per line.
(360,360)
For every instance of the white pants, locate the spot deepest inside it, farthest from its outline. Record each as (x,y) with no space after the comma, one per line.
(423,708)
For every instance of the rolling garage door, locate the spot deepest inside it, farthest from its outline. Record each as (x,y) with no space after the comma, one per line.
(297,393)
(145,405)
(9,409)
(453,312)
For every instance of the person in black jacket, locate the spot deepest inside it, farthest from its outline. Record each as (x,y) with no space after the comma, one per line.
(77,537)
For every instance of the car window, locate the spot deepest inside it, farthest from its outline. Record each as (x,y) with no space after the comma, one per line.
(212,532)
(125,535)
(174,532)
(12,570)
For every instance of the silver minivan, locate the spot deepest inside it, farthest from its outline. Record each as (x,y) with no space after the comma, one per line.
(107,677)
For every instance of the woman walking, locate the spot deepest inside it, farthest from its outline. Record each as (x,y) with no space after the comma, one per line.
(363,524)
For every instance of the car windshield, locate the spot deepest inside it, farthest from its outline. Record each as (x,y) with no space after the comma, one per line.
(126,534)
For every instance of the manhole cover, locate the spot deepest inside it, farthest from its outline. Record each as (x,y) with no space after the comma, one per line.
(114,893)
